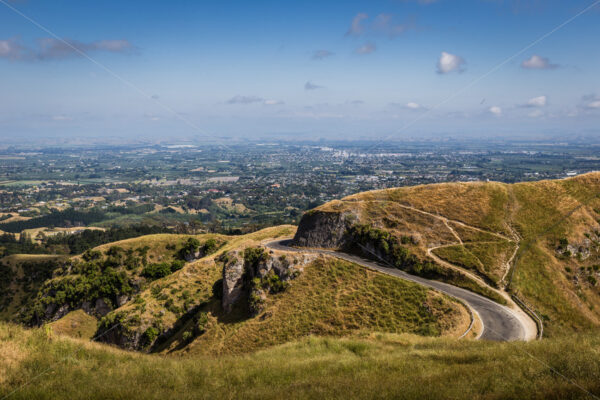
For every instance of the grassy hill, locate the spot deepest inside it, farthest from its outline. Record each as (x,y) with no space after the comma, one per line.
(108,292)
(40,365)
(539,240)
(329,298)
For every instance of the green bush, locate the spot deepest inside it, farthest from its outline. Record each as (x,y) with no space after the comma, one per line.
(187,336)
(254,255)
(190,247)
(157,271)
(209,247)
(150,335)
(201,321)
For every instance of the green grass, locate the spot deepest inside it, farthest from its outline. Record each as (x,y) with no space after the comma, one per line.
(377,366)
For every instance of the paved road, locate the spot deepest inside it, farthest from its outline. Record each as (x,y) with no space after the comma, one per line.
(499,322)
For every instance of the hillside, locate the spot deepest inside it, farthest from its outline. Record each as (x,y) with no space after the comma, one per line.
(36,364)
(538,240)
(216,294)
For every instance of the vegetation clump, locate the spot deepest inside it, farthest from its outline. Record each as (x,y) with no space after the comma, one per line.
(383,246)
(160,270)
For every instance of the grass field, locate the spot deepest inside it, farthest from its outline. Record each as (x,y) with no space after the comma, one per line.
(40,366)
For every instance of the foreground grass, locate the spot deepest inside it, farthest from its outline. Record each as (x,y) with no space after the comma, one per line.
(378,366)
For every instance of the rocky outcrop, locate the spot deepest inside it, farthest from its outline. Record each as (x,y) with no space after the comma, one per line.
(233,279)
(242,276)
(323,229)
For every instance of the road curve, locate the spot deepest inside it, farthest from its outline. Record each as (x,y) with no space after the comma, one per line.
(500,323)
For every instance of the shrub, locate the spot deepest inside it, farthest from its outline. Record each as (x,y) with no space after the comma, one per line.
(190,247)
(210,246)
(150,335)
(273,283)
(156,271)
(201,321)
(187,336)
(254,255)
(176,265)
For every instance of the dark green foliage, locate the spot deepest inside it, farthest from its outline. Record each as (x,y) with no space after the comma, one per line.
(150,335)
(382,244)
(9,244)
(157,271)
(273,284)
(6,277)
(209,247)
(65,218)
(384,247)
(254,255)
(176,265)
(92,255)
(189,248)
(87,239)
(187,336)
(87,281)
(217,289)
(160,270)
(563,243)
(200,323)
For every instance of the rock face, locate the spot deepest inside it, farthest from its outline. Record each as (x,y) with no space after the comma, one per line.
(238,274)
(323,229)
(233,279)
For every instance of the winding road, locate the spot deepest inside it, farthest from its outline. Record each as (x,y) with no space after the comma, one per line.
(500,323)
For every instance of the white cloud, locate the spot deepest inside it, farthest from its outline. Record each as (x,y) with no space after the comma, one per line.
(497,111)
(244,99)
(539,101)
(321,54)
(271,102)
(594,104)
(537,62)
(450,62)
(311,86)
(367,48)
(413,106)
(356,27)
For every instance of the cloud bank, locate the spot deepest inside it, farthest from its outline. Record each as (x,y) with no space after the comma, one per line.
(53,49)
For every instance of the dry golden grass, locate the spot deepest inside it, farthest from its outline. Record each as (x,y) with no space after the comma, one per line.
(481,204)
(76,324)
(192,285)
(332,298)
(371,365)
(535,214)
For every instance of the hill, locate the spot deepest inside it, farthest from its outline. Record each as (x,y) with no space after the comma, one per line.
(216,294)
(537,240)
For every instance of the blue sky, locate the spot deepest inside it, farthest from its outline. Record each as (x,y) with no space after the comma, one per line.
(371,69)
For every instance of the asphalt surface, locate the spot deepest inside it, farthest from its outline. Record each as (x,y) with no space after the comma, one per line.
(499,322)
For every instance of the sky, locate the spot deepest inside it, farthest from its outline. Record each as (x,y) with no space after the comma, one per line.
(379,69)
